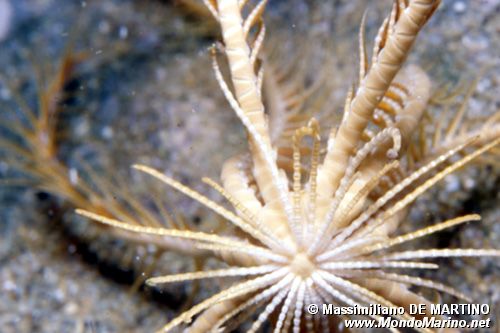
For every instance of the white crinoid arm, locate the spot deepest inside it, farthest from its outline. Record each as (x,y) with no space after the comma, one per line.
(392,45)
(246,78)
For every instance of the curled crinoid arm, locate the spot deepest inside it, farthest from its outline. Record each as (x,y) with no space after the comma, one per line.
(237,178)
(402,107)
(311,130)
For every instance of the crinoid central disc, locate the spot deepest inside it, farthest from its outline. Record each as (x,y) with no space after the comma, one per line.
(302,265)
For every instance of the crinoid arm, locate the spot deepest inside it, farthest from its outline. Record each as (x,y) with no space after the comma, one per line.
(392,45)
